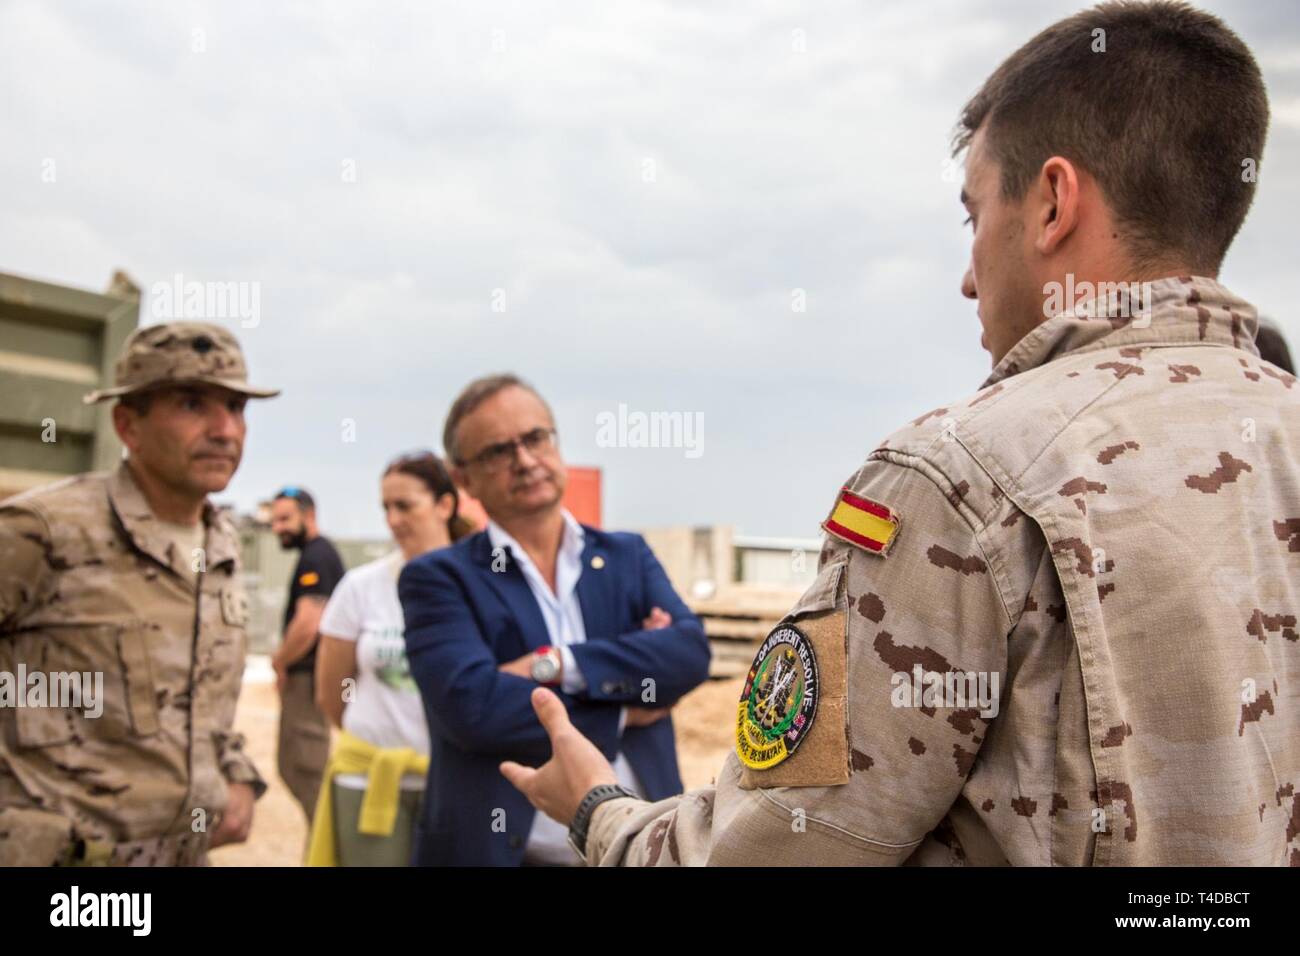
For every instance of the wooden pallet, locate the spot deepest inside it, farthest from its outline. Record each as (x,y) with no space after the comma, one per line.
(736,620)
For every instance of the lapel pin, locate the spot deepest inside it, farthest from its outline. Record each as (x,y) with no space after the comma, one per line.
(597,562)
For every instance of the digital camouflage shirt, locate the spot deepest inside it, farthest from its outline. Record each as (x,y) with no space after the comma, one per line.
(89,585)
(1105,539)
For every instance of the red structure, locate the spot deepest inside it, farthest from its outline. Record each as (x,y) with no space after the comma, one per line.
(583,495)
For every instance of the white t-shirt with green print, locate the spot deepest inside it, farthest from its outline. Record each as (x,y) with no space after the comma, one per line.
(386,709)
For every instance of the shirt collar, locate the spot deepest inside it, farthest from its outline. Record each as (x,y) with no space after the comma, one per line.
(572,539)
(138,520)
(1178,310)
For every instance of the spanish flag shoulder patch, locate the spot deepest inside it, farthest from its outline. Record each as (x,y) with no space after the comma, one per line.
(862,522)
(309,578)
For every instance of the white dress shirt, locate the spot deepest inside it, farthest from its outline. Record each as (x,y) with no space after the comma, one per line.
(548,841)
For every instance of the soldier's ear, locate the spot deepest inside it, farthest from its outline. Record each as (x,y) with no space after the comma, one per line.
(126,422)
(1055,197)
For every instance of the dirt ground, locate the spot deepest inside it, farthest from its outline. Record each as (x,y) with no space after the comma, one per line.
(704,721)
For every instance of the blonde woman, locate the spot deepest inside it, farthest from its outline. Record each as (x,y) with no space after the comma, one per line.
(370,797)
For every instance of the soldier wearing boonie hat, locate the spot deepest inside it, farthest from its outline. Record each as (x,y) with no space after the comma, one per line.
(122,589)
(180,352)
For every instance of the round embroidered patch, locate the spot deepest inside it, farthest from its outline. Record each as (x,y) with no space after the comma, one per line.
(779,701)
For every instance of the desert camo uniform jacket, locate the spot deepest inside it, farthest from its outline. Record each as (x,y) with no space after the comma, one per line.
(1108,536)
(90,584)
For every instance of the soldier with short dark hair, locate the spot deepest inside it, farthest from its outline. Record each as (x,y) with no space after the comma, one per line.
(122,591)
(1054,621)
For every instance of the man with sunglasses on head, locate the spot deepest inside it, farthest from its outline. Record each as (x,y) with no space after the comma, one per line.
(535,600)
(304,740)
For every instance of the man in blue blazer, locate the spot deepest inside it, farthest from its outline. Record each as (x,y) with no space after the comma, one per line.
(534,599)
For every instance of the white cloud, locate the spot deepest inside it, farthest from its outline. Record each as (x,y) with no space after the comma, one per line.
(507,146)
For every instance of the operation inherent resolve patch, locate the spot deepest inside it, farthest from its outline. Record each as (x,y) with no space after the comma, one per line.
(779,701)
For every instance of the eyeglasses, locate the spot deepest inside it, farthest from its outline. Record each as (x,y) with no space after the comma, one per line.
(495,457)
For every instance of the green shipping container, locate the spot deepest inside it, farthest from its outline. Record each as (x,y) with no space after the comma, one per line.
(56,344)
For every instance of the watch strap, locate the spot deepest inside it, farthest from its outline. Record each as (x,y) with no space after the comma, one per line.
(582,819)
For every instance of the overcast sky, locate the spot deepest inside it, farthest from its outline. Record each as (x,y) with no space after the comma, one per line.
(646,184)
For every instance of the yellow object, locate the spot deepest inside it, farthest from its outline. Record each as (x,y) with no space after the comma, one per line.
(863,522)
(383,767)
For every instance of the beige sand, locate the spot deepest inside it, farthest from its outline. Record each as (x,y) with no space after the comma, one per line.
(704,733)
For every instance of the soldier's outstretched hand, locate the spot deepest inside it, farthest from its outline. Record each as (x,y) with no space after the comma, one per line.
(576,765)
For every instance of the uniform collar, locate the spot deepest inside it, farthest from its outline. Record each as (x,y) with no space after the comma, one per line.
(1179,310)
(138,520)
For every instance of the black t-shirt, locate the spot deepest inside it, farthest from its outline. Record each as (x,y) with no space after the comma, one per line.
(319,571)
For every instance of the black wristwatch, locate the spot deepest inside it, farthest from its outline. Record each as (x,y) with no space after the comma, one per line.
(582,819)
